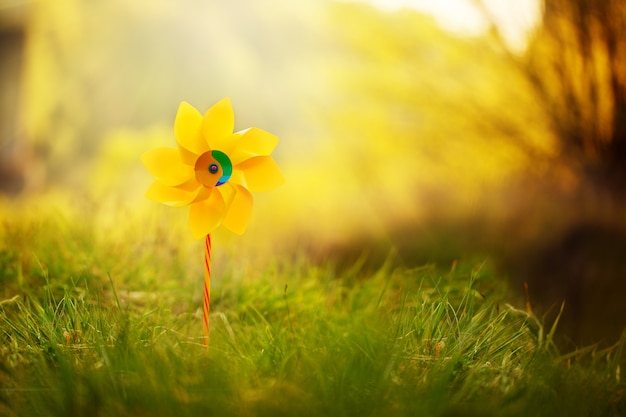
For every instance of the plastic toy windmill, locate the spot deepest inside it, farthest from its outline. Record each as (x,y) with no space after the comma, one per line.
(212,170)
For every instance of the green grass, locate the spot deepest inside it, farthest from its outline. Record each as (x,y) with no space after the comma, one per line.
(94,325)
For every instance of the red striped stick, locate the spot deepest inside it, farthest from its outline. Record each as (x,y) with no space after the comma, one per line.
(207,287)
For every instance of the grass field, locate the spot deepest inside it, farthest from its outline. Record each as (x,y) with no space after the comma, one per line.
(99,324)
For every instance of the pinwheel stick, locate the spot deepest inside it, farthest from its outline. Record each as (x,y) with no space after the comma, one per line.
(207,287)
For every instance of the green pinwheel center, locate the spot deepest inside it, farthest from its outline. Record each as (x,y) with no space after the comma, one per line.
(213,168)
(227,166)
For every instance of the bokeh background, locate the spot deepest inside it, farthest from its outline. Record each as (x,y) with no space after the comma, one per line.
(416,131)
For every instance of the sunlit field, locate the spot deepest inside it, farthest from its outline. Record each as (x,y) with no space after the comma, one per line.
(99,324)
(448,241)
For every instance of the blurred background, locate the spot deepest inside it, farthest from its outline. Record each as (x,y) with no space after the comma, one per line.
(424,130)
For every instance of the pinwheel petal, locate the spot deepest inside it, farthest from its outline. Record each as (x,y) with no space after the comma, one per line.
(236,177)
(217,126)
(191,185)
(202,194)
(239,210)
(205,215)
(187,129)
(166,166)
(188,157)
(170,196)
(261,173)
(253,142)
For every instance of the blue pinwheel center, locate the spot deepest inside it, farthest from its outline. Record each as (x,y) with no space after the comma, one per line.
(227,166)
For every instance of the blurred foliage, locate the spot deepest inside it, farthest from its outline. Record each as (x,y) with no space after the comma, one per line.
(384,119)
(97,66)
(387,123)
(577,65)
(427,121)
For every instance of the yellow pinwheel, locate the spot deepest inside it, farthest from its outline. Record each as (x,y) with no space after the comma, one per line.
(213,170)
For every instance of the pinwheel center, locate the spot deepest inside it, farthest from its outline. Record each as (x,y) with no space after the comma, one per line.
(213,168)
